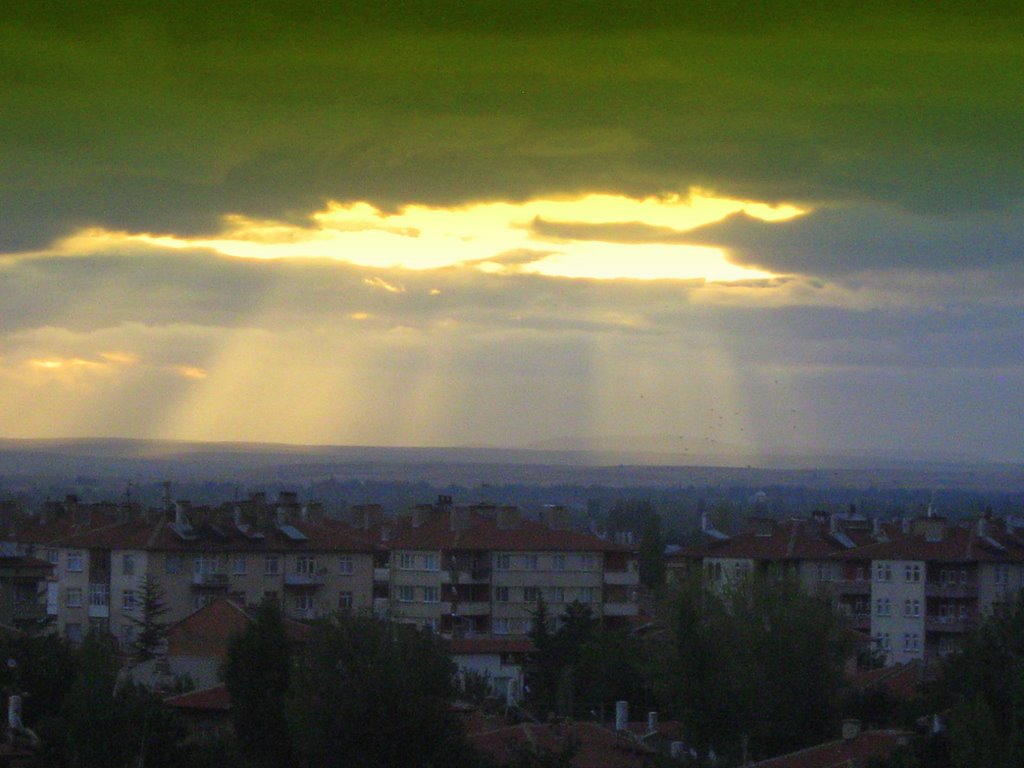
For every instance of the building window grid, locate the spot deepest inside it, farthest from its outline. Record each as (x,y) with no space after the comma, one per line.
(431,595)
(128,600)
(128,565)
(345,566)
(912,573)
(501,594)
(271,565)
(406,593)
(99,595)
(74,561)
(73,597)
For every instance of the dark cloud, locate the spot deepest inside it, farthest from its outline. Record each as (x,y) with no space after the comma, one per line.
(840,240)
(159,117)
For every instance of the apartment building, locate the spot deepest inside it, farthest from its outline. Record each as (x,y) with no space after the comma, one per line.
(248,550)
(481,569)
(914,587)
(464,571)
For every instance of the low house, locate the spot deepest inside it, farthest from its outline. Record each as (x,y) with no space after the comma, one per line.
(856,749)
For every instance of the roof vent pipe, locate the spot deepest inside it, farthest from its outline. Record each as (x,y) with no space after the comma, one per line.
(704,521)
(652,722)
(621,715)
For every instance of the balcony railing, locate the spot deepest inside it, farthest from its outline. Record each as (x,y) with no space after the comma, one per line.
(304,579)
(25,611)
(950,624)
(621,609)
(466,574)
(851,587)
(950,590)
(627,578)
(210,580)
(381,574)
(467,608)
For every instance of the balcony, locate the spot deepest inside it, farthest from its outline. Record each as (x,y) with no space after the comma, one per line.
(381,607)
(949,624)
(466,608)
(851,587)
(860,621)
(466,575)
(28,611)
(951,590)
(212,580)
(621,609)
(382,574)
(622,578)
(304,580)
(99,611)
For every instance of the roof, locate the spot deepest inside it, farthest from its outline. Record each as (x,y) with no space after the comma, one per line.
(211,530)
(900,680)
(598,747)
(792,539)
(983,541)
(843,753)
(215,698)
(477,530)
(207,631)
(482,645)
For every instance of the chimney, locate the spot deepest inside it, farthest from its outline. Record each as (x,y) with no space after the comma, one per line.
(676,750)
(236,515)
(833,524)
(876,527)
(621,715)
(704,521)
(181,508)
(981,527)
(905,525)
(444,501)
(851,729)
(555,517)
(652,722)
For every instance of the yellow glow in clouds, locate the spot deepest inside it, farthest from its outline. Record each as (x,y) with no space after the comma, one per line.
(497,237)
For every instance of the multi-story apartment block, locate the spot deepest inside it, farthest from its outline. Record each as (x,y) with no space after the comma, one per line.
(465,571)
(914,587)
(481,570)
(249,550)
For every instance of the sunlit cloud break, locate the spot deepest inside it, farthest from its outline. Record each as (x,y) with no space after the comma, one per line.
(494,237)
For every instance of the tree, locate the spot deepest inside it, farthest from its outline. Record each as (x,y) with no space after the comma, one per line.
(983,685)
(257,673)
(761,659)
(150,631)
(652,552)
(368,693)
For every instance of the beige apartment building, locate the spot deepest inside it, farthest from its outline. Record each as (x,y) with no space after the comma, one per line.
(464,571)
(248,550)
(480,570)
(914,588)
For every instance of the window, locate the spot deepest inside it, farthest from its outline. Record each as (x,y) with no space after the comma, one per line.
(345,565)
(1002,575)
(406,594)
(172,564)
(886,641)
(73,597)
(303,603)
(406,561)
(529,562)
(911,607)
(503,561)
(239,565)
(587,562)
(587,595)
(883,606)
(128,600)
(75,565)
(883,572)
(531,594)
(558,595)
(128,565)
(431,595)
(500,626)
(824,572)
(911,643)
(99,595)
(912,573)
(305,564)
(430,562)
(345,601)
(271,565)
(53,556)
(501,594)
(73,632)
(205,564)
(558,562)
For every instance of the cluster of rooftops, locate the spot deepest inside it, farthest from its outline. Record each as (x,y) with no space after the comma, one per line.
(852,536)
(284,524)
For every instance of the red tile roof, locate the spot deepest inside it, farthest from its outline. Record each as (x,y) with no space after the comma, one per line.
(207,631)
(481,531)
(598,747)
(901,680)
(844,753)
(215,698)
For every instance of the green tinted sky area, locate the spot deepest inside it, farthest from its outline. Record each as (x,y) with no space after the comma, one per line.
(149,150)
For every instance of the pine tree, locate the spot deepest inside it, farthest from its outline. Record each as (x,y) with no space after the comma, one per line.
(150,631)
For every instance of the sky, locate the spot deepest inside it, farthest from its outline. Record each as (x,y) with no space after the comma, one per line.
(700,227)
